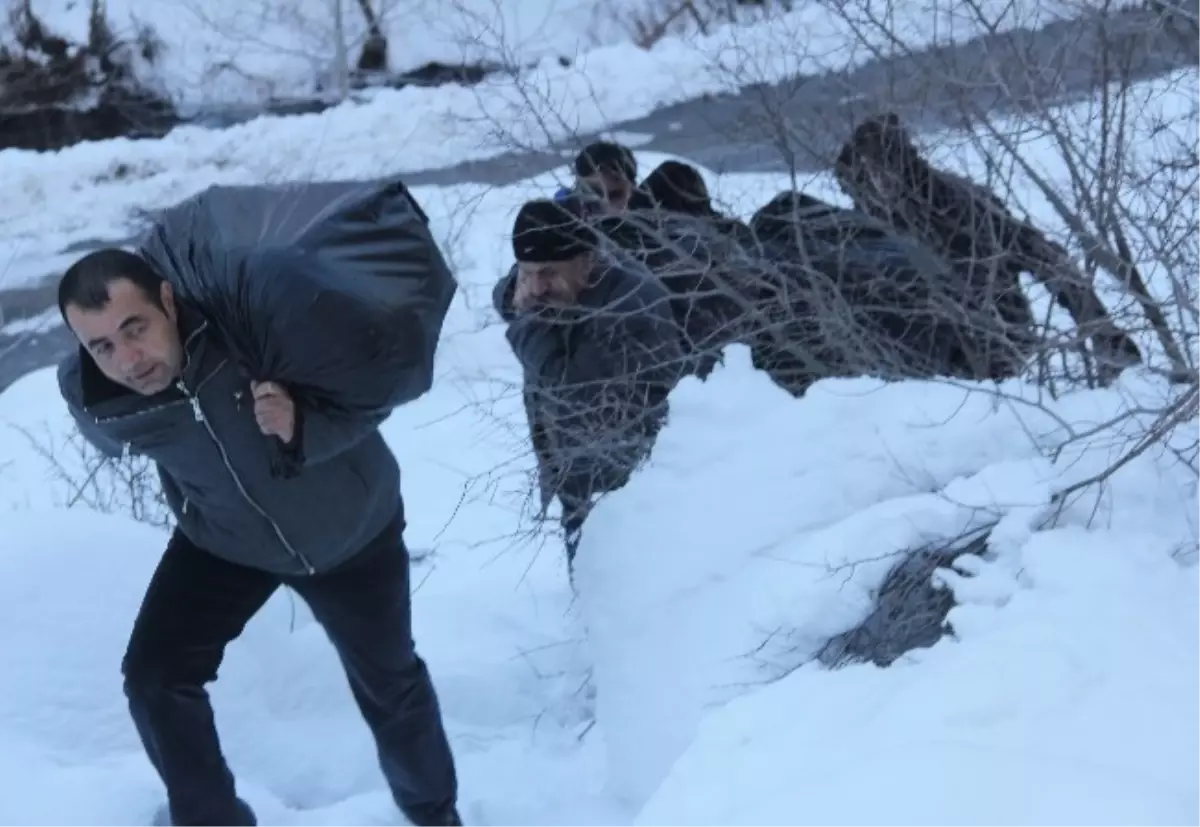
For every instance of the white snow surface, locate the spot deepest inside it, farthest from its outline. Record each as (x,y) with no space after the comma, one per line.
(229,51)
(1067,694)
(225,51)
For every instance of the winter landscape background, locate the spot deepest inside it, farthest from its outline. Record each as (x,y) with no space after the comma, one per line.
(682,686)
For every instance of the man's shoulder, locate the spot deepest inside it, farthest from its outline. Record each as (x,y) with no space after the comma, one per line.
(70,378)
(633,277)
(628,286)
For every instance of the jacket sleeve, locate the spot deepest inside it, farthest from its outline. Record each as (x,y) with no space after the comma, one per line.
(322,435)
(541,451)
(643,335)
(547,348)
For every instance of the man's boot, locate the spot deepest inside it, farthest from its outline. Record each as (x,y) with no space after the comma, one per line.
(244,817)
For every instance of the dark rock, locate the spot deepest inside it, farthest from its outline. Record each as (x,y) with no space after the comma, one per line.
(47,128)
(910,610)
(436,73)
(54,93)
(374,54)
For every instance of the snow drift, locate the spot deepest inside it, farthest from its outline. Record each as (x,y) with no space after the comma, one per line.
(764,526)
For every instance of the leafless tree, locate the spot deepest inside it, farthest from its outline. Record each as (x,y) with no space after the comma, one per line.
(55,92)
(1060,132)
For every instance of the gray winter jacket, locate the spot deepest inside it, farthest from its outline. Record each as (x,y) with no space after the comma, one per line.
(597,376)
(215,466)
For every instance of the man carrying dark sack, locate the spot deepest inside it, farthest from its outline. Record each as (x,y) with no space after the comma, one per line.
(605,176)
(152,376)
(600,352)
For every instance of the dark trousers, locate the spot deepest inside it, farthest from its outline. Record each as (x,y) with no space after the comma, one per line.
(198,603)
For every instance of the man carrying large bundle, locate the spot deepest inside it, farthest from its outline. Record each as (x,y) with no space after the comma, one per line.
(251,350)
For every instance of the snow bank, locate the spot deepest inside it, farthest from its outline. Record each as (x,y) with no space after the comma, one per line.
(70,584)
(93,189)
(788,495)
(763,525)
(226,51)
(1069,698)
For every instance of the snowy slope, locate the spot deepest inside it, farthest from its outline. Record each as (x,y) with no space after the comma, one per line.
(1075,665)
(245,50)
(1069,698)
(763,528)
(227,51)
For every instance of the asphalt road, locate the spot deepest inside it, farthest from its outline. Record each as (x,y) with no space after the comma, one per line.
(800,123)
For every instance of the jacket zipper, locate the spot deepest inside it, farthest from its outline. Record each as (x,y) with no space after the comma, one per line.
(187,358)
(199,416)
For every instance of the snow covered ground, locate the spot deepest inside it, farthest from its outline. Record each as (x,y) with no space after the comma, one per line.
(247,50)
(772,525)
(226,51)
(1068,694)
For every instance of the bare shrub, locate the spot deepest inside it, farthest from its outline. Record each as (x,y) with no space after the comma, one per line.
(646,23)
(1113,183)
(127,486)
(1058,130)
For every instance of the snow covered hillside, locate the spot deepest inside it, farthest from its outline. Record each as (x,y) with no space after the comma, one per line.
(247,50)
(679,688)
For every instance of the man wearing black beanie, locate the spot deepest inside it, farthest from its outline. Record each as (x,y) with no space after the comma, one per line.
(600,351)
(555,250)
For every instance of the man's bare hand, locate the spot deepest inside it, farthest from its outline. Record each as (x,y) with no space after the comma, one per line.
(274,410)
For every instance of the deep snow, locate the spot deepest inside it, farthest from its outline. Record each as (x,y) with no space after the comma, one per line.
(760,528)
(225,51)
(1067,696)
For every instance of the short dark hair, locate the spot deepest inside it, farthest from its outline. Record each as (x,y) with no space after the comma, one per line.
(678,187)
(86,282)
(606,156)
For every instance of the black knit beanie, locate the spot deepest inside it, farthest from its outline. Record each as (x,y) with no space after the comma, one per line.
(678,187)
(551,231)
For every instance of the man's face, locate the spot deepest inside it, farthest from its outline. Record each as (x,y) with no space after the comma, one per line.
(612,187)
(552,282)
(133,341)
